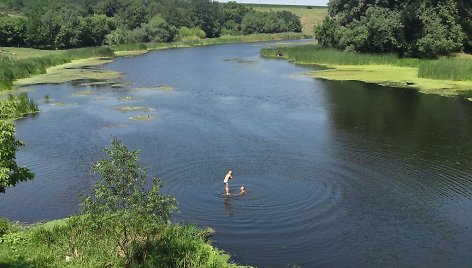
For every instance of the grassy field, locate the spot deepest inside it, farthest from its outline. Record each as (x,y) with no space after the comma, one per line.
(18,53)
(309,16)
(447,77)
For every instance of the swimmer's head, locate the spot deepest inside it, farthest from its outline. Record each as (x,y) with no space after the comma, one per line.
(242,188)
(230,172)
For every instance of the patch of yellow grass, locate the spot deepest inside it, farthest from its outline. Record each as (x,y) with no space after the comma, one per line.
(404,77)
(308,17)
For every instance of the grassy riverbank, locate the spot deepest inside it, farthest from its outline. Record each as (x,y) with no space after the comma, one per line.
(20,67)
(124,222)
(447,77)
(60,243)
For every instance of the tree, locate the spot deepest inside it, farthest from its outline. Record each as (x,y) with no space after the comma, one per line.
(120,199)
(94,29)
(409,27)
(10,172)
(442,33)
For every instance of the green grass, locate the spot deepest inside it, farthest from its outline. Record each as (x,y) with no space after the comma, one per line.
(17,106)
(12,69)
(446,77)
(65,243)
(315,54)
(457,69)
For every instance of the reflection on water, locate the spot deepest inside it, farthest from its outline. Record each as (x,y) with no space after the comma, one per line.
(339,173)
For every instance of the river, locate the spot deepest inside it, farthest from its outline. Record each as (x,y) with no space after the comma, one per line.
(338,174)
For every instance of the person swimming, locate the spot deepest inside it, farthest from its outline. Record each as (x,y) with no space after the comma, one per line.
(228,177)
(242,190)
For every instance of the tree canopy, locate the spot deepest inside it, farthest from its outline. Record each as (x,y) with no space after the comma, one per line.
(418,28)
(79,23)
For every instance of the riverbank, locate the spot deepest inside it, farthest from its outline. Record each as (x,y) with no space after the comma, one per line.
(25,68)
(426,76)
(55,244)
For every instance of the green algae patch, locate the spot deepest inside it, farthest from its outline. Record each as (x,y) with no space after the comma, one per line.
(134,108)
(120,85)
(128,98)
(141,118)
(96,83)
(84,93)
(59,104)
(115,126)
(157,88)
(130,53)
(387,75)
(85,69)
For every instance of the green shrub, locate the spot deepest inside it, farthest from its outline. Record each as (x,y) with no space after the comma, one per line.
(4,226)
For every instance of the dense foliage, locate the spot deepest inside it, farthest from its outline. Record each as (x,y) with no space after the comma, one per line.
(10,172)
(418,28)
(13,107)
(79,23)
(123,223)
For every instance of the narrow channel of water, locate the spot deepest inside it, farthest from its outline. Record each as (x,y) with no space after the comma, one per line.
(337,173)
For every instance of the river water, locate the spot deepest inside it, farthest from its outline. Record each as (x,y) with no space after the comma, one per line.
(337,173)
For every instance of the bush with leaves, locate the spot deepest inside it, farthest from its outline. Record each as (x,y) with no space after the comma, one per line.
(120,200)
(418,28)
(10,172)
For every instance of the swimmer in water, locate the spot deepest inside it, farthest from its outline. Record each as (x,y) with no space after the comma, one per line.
(242,190)
(228,177)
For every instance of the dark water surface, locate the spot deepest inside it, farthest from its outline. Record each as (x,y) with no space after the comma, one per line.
(337,173)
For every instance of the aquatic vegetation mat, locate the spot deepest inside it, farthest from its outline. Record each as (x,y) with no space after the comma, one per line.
(160,88)
(84,93)
(134,108)
(128,98)
(77,70)
(141,118)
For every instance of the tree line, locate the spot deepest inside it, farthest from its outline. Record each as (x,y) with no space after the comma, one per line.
(413,28)
(79,23)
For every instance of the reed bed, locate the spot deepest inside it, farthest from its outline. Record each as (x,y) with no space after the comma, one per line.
(314,54)
(447,69)
(17,106)
(452,68)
